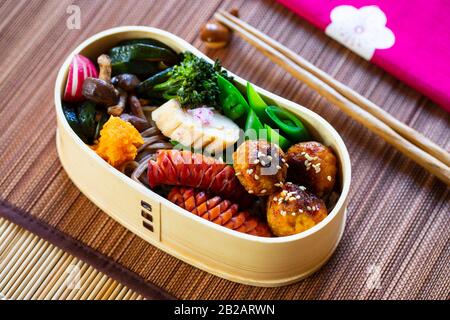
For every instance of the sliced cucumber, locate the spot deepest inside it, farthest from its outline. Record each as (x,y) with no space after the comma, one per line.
(141,69)
(72,119)
(100,124)
(86,116)
(145,87)
(141,52)
(152,42)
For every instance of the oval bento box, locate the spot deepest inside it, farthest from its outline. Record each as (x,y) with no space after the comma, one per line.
(225,253)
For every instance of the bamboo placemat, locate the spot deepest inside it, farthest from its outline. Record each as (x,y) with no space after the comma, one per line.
(397,239)
(32,268)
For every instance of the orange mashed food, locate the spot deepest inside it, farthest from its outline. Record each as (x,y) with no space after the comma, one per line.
(118,142)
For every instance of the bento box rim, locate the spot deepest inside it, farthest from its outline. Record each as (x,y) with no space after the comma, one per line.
(125,179)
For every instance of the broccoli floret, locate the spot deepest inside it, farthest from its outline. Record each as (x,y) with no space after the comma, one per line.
(193,82)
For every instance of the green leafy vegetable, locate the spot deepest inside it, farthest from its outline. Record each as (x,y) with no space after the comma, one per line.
(193,82)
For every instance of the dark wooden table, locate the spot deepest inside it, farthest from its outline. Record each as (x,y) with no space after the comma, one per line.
(398,228)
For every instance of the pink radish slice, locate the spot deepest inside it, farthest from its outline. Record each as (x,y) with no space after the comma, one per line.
(80,69)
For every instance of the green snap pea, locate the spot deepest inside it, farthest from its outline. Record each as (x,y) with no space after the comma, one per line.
(257,103)
(288,123)
(253,126)
(233,103)
(274,137)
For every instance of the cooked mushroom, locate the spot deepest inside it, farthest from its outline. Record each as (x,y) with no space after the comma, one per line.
(136,107)
(117,109)
(126,81)
(100,91)
(215,35)
(139,123)
(104,63)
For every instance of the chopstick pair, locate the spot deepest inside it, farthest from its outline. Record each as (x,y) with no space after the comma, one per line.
(405,139)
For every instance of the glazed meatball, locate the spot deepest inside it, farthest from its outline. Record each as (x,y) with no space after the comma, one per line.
(293,210)
(260,166)
(313,165)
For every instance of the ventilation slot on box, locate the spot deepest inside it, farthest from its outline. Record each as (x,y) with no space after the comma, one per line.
(147,206)
(147,225)
(148,218)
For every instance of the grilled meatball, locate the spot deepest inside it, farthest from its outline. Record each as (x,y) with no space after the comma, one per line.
(260,166)
(313,165)
(293,210)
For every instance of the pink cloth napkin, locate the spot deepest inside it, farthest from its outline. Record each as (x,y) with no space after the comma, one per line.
(408,38)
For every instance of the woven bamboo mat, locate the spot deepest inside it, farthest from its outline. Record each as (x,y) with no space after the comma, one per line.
(397,239)
(32,268)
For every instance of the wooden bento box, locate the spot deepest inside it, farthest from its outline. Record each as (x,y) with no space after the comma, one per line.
(225,253)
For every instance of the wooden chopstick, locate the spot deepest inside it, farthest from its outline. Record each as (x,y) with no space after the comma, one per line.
(348,106)
(407,132)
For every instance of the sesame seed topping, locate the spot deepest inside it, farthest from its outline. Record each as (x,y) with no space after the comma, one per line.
(278,184)
(278,167)
(308,208)
(287,166)
(307,165)
(263,191)
(283,159)
(250,191)
(329,178)
(237,173)
(256,177)
(316,167)
(249,171)
(302,188)
(297,197)
(275,199)
(283,213)
(256,161)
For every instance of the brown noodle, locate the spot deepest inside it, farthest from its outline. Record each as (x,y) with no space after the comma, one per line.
(153,140)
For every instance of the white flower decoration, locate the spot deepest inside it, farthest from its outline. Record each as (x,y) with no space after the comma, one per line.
(361,30)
